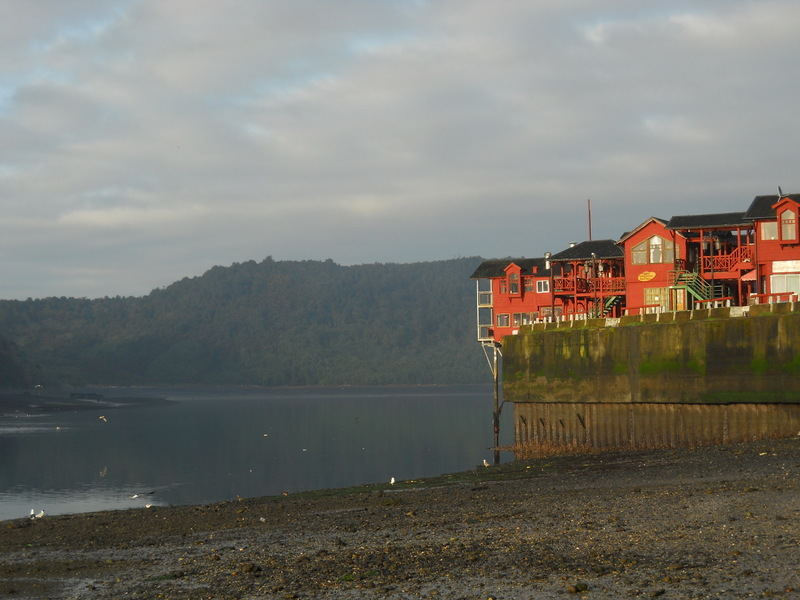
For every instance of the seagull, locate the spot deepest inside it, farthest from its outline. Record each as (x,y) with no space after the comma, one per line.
(485,463)
(391,481)
(142,494)
(780,193)
(38,515)
(103,418)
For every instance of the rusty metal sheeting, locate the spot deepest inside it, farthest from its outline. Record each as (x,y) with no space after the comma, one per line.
(651,425)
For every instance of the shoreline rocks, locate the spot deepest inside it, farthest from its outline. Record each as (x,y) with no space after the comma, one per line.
(711,522)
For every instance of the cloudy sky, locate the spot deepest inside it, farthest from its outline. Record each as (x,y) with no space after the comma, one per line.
(144,141)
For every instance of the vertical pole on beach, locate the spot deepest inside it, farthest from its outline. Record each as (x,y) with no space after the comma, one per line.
(496,420)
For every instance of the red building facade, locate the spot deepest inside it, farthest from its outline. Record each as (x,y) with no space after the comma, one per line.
(776,255)
(592,279)
(685,263)
(512,293)
(651,255)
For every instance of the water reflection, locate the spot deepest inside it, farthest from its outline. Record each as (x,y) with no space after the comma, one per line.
(217,444)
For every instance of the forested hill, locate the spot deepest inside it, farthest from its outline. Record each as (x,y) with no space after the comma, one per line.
(16,370)
(265,323)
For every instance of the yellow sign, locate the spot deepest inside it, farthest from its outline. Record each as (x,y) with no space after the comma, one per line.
(647,276)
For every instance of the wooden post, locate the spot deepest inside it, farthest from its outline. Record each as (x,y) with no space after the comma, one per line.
(496,419)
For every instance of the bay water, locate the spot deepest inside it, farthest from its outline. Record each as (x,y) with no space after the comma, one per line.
(210,445)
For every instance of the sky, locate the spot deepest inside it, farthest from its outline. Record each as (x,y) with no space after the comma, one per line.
(144,141)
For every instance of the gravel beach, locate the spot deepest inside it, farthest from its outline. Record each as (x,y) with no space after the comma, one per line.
(711,522)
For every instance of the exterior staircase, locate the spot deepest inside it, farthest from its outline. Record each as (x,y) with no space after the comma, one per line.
(609,303)
(695,286)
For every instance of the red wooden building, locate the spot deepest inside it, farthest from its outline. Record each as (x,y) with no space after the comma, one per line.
(511,293)
(688,262)
(719,253)
(651,255)
(776,255)
(591,283)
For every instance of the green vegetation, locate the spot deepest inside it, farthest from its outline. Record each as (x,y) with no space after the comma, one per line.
(266,323)
(16,370)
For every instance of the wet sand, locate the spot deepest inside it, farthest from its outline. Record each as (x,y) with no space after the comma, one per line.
(712,522)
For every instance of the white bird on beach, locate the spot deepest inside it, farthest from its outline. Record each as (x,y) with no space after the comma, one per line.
(485,463)
(391,481)
(38,515)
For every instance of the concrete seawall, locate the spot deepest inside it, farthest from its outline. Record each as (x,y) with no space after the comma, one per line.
(711,376)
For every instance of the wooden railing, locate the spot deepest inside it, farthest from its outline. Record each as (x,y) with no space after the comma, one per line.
(589,285)
(713,302)
(645,309)
(728,262)
(773,298)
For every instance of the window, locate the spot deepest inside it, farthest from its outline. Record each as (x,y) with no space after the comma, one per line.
(769,230)
(655,250)
(542,286)
(513,283)
(639,254)
(785,283)
(503,320)
(788,225)
(657,296)
(529,284)
(517,319)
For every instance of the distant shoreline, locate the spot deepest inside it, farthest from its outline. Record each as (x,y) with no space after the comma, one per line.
(14,403)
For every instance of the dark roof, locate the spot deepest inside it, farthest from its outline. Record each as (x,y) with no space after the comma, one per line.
(647,222)
(734,219)
(761,206)
(584,250)
(496,267)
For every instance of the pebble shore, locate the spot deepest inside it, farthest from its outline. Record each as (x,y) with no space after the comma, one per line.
(694,523)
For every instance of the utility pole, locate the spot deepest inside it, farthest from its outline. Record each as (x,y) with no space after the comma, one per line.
(497,407)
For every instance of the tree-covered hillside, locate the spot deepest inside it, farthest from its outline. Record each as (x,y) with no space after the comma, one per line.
(266,323)
(16,370)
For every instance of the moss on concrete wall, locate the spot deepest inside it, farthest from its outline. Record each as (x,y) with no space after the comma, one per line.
(707,357)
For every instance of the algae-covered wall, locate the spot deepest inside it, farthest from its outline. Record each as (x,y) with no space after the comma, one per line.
(696,357)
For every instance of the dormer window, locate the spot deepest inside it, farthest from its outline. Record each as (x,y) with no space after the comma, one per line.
(513,283)
(788,219)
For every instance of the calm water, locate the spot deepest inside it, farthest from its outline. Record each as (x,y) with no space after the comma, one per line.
(213,445)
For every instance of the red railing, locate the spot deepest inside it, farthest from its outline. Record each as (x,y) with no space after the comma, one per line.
(728,262)
(773,298)
(586,286)
(645,309)
(714,302)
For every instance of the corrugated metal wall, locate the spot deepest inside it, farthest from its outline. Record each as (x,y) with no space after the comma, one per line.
(643,425)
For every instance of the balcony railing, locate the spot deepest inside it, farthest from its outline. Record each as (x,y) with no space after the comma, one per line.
(728,262)
(589,285)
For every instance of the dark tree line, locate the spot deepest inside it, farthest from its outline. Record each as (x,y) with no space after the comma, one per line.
(265,323)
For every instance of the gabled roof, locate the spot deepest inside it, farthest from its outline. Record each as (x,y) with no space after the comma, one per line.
(761,206)
(734,219)
(496,267)
(584,251)
(628,234)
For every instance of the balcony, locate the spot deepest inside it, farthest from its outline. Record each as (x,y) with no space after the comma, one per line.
(728,262)
(601,285)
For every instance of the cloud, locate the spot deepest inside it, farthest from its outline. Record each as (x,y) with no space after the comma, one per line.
(147,140)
